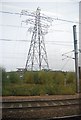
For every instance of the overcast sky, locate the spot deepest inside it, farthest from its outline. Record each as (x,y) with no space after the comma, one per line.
(59,39)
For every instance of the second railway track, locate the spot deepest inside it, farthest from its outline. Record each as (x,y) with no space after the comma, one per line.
(27,104)
(43,109)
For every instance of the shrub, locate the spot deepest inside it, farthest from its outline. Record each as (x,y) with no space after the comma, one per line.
(67,90)
(51,89)
(59,78)
(28,77)
(36,78)
(39,83)
(70,78)
(14,77)
(42,77)
(35,90)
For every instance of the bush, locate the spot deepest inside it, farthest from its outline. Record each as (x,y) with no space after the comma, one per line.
(14,77)
(40,83)
(70,78)
(67,90)
(35,90)
(36,78)
(51,89)
(42,77)
(28,77)
(59,78)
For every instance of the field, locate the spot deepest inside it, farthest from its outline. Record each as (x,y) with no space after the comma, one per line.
(38,83)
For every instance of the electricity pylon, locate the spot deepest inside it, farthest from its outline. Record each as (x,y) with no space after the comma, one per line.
(37,56)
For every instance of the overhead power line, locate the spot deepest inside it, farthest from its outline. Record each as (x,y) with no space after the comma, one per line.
(63,43)
(53,18)
(24,40)
(67,52)
(15,40)
(9,12)
(65,64)
(66,56)
(68,59)
(15,26)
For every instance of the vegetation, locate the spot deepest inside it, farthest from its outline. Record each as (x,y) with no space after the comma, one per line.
(38,83)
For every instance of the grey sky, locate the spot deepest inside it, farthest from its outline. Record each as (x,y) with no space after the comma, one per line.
(59,39)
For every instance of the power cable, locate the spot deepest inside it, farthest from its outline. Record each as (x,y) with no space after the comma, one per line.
(2,39)
(15,26)
(6,12)
(66,62)
(15,40)
(67,52)
(59,19)
(47,42)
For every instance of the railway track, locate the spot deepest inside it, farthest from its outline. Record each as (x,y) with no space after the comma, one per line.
(73,117)
(43,108)
(26,104)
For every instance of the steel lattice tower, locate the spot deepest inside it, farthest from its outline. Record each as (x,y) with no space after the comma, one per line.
(37,56)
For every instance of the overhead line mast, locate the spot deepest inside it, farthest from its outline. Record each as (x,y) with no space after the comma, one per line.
(76,60)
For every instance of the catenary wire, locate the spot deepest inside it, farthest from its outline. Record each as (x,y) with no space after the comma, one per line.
(68,59)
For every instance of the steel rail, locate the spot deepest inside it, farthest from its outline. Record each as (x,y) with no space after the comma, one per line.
(71,117)
(37,104)
(36,100)
(20,106)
